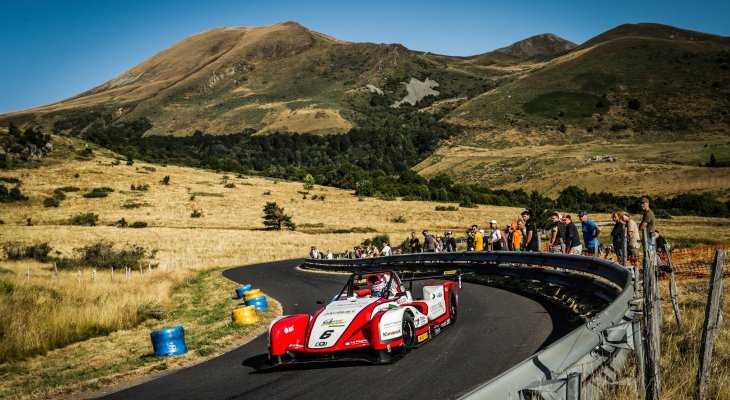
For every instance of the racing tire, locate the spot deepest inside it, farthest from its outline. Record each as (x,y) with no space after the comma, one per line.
(453,308)
(408,331)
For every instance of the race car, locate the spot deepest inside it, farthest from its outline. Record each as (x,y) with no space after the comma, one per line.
(372,319)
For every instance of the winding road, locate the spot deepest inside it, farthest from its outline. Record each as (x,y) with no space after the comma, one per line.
(496,330)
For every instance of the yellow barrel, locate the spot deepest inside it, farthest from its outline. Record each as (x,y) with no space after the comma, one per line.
(245,315)
(253,293)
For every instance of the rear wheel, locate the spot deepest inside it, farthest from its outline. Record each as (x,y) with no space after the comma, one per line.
(453,308)
(409,331)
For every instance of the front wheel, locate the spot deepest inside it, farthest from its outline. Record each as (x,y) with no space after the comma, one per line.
(408,331)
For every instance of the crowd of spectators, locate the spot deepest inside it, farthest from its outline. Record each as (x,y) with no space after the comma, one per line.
(522,235)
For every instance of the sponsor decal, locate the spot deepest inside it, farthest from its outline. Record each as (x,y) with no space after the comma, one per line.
(320,344)
(289,329)
(391,333)
(421,321)
(356,342)
(334,323)
(423,337)
(391,324)
(450,272)
(296,346)
(443,324)
(338,312)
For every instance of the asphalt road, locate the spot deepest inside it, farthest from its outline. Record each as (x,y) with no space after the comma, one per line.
(496,330)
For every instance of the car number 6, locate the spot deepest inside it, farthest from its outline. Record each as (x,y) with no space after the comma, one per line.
(327,334)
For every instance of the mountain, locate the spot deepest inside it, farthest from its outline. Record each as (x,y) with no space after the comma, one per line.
(538,47)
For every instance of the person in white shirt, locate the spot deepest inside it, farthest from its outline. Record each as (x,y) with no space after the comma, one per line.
(330,256)
(386,251)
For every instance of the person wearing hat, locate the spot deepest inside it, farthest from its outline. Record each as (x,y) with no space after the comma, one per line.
(450,243)
(572,240)
(590,233)
(647,222)
(496,237)
(557,234)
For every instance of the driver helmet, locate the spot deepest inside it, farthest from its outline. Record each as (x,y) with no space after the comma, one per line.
(378,288)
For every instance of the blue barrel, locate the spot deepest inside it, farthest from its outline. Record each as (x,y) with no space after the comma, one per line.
(169,341)
(241,290)
(258,302)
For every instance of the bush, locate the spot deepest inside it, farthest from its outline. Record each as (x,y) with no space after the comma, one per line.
(51,202)
(152,310)
(11,195)
(229,185)
(196,213)
(447,208)
(102,255)
(166,180)
(17,251)
(59,195)
(142,188)
(398,219)
(138,224)
(376,240)
(87,152)
(82,219)
(98,192)
(67,189)
(122,223)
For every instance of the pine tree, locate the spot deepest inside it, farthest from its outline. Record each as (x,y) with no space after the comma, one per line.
(713,161)
(308,182)
(275,218)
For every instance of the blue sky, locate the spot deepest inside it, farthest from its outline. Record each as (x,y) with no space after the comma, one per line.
(52,50)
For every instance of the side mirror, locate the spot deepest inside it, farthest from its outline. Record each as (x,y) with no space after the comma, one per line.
(320,302)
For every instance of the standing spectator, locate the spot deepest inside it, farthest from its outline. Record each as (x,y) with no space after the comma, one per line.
(531,232)
(590,233)
(330,256)
(557,234)
(478,238)
(516,236)
(617,235)
(386,251)
(470,239)
(429,243)
(572,239)
(663,248)
(450,242)
(415,243)
(647,222)
(521,228)
(439,243)
(496,237)
(633,246)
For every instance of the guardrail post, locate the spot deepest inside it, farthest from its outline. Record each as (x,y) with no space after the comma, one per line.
(638,349)
(651,321)
(712,322)
(573,386)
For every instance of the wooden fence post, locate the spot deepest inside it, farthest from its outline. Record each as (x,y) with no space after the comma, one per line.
(712,322)
(673,288)
(625,245)
(651,315)
(55,269)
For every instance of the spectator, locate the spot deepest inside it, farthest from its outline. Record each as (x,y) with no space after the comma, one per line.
(439,243)
(663,249)
(429,243)
(315,253)
(633,247)
(531,232)
(618,235)
(516,236)
(450,242)
(572,239)
(647,222)
(557,234)
(590,233)
(661,243)
(386,251)
(470,239)
(496,237)
(521,228)
(478,238)
(330,256)
(414,243)
(398,251)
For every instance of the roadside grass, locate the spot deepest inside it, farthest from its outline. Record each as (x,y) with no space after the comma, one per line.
(680,348)
(201,303)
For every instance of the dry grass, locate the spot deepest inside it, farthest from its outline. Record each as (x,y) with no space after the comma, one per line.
(680,348)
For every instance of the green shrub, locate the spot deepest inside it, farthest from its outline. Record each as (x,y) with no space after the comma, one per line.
(67,189)
(102,255)
(16,251)
(11,195)
(51,202)
(377,240)
(152,310)
(142,188)
(166,180)
(196,213)
(7,179)
(398,219)
(138,224)
(122,223)
(447,208)
(82,219)
(99,192)
(59,195)
(87,152)
(229,185)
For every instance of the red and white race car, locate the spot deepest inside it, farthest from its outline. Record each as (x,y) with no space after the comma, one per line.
(374,318)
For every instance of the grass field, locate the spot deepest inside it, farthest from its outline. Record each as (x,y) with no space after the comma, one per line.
(57,325)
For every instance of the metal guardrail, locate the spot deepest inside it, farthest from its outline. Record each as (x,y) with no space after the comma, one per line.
(594,350)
